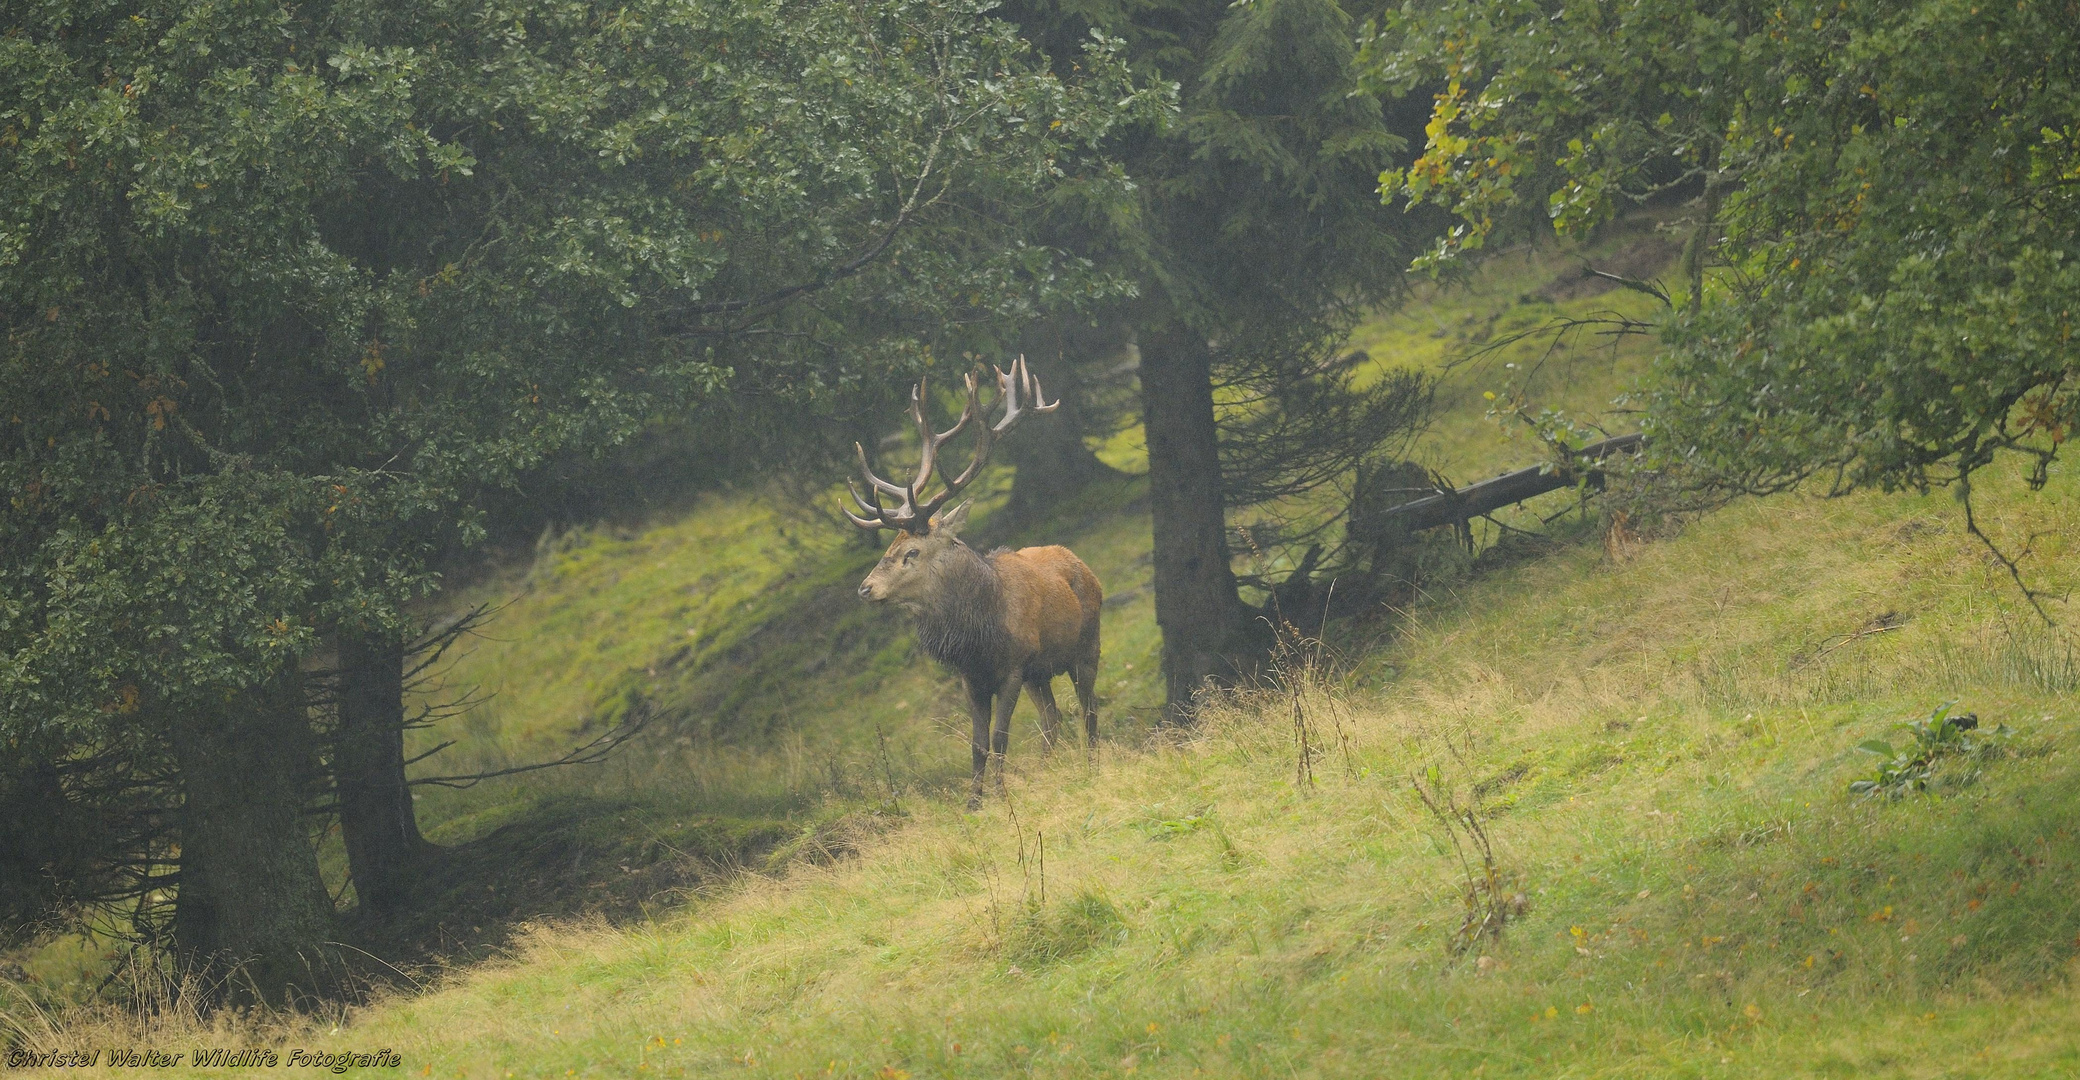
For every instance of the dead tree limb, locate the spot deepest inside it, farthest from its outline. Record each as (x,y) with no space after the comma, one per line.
(1476,500)
(591,753)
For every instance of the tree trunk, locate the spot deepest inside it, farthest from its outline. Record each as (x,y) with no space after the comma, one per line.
(385,850)
(1208,634)
(251,917)
(1051,459)
(47,845)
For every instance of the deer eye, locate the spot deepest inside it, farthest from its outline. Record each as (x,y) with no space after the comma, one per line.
(909,556)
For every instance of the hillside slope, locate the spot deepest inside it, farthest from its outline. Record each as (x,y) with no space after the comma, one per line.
(738,625)
(1660,747)
(779,698)
(1657,735)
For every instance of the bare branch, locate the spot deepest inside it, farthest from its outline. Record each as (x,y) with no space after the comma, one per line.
(1971,525)
(591,753)
(850,267)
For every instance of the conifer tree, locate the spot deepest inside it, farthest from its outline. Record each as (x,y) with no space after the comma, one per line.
(1257,244)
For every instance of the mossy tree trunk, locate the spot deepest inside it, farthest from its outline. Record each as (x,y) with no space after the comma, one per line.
(1207,629)
(251,918)
(385,850)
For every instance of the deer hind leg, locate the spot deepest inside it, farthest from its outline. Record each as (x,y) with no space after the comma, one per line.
(1084,673)
(1000,739)
(1085,676)
(978,712)
(1042,689)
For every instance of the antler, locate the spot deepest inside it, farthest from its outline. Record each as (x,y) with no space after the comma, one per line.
(913,513)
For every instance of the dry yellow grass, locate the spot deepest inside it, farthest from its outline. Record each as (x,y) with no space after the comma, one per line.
(1663,742)
(1659,737)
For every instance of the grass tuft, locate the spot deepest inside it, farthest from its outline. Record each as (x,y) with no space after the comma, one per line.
(1658,738)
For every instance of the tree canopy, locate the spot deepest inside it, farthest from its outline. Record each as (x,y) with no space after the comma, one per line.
(1889,193)
(285,288)
(1258,244)
(290,277)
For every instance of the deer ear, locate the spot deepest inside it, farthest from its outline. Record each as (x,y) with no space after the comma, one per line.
(951,522)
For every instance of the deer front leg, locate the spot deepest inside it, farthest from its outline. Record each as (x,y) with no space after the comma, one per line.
(978,714)
(1000,740)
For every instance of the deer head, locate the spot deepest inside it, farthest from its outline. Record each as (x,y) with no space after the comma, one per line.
(915,570)
(925,536)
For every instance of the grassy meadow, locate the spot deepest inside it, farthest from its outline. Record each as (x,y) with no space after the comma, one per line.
(1656,734)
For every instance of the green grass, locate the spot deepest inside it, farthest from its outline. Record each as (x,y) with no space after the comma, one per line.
(776,688)
(739,629)
(1659,737)
(1672,797)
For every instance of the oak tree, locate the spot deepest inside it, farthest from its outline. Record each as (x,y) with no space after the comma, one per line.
(286,288)
(1886,196)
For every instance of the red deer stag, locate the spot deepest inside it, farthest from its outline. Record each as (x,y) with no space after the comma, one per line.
(1002,620)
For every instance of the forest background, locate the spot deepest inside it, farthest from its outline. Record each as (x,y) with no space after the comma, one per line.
(310,309)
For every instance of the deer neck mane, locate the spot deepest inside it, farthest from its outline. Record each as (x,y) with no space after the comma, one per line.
(962,623)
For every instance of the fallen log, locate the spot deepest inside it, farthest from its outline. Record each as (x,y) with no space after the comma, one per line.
(1463,504)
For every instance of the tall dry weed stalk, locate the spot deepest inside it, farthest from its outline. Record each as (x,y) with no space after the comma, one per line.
(1485,895)
(143,1002)
(1030,899)
(888,768)
(1032,868)
(1302,677)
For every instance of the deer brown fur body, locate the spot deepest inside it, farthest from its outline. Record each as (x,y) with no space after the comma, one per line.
(1003,621)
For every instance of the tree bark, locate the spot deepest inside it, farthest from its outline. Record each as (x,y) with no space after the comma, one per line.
(251,919)
(385,850)
(46,845)
(1051,461)
(1208,635)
